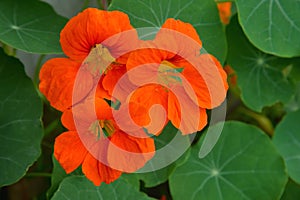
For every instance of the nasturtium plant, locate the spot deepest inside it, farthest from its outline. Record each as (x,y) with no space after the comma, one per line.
(287,141)
(150,99)
(78,187)
(20,121)
(58,175)
(153,13)
(164,143)
(292,191)
(271,25)
(260,76)
(241,166)
(31,26)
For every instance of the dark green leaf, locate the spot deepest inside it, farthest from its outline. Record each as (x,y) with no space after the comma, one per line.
(292,191)
(294,104)
(31,26)
(202,14)
(132,179)
(244,164)
(58,174)
(78,187)
(20,121)
(171,149)
(287,141)
(272,25)
(260,75)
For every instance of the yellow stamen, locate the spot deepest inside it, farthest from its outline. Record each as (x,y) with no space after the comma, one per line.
(99,59)
(108,126)
(101,128)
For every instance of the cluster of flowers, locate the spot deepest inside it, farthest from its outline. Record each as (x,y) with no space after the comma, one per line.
(116,91)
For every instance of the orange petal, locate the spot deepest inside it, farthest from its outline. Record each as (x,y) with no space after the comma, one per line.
(118,85)
(67,120)
(152,100)
(91,27)
(97,172)
(148,52)
(207,79)
(57,78)
(184,113)
(69,150)
(129,153)
(101,92)
(143,64)
(112,77)
(103,109)
(92,109)
(181,31)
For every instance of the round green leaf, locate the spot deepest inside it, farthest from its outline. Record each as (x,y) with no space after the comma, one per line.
(272,25)
(261,76)
(31,26)
(20,121)
(244,164)
(78,187)
(287,141)
(203,15)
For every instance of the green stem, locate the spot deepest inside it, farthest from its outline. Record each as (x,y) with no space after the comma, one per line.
(104,3)
(221,1)
(264,122)
(85,4)
(38,174)
(52,126)
(9,50)
(99,2)
(37,69)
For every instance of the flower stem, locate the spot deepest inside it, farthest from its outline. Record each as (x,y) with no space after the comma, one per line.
(37,69)
(51,127)
(38,174)
(263,121)
(103,4)
(85,4)
(221,1)
(9,50)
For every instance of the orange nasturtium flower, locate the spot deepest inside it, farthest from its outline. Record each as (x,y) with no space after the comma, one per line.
(224,11)
(94,42)
(181,80)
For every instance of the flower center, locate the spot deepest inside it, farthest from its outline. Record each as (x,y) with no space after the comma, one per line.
(107,127)
(98,61)
(169,74)
(103,128)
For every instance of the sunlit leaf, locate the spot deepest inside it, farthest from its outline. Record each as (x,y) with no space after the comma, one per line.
(260,76)
(272,25)
(203,15)
(20,121)
(30,25)
(287,141)
(78,187)
(244,164)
